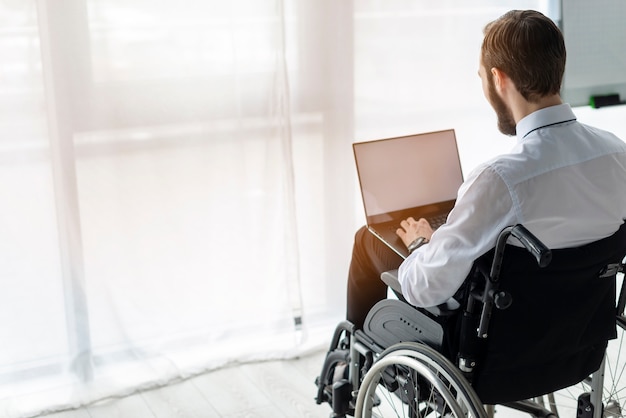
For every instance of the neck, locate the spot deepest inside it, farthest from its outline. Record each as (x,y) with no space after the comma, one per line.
(522,108)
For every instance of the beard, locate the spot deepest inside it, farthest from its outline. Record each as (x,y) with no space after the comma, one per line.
(506,122)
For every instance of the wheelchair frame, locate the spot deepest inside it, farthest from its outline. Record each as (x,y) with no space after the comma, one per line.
(355,364)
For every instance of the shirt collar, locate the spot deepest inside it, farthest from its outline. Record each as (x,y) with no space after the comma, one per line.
(542,118)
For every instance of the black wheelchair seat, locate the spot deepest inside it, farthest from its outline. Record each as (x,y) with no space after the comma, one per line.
(555,332)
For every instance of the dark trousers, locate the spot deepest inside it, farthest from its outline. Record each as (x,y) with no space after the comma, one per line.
(370,257)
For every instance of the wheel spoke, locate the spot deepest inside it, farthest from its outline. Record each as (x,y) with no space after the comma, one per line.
(414,381)
(613,388)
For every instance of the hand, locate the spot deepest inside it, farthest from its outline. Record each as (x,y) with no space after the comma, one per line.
(410,230)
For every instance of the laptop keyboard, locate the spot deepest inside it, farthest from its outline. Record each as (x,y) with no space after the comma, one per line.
(436,221)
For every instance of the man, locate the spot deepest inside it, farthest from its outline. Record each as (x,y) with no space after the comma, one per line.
(562,180)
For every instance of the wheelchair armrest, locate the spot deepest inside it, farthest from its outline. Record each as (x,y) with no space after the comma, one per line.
(390,278)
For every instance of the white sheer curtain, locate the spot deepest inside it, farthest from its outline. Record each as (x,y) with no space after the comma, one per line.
(173,175)
(177,184)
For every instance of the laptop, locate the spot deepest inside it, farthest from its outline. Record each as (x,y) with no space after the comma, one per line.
(417,175)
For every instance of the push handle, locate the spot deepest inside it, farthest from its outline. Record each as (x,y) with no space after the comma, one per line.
(542,254)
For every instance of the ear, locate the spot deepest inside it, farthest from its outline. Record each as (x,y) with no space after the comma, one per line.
(500,79)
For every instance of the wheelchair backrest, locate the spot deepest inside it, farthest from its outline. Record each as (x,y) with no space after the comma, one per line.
(555,332)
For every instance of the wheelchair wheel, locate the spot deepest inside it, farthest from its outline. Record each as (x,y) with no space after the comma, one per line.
(413,380)
(613,386)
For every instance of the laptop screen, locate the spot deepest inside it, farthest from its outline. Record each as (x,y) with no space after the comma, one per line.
(410,171)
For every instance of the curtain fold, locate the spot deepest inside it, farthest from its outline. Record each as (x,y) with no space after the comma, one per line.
(177,178)
(164,179)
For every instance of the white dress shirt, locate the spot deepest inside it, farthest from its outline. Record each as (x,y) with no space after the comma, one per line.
(563,180)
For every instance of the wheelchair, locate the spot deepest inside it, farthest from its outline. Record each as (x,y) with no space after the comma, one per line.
(529,331)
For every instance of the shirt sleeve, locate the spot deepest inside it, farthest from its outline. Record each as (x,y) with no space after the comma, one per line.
(435,271)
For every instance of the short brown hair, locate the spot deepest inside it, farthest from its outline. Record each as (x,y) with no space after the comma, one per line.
(529,48)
